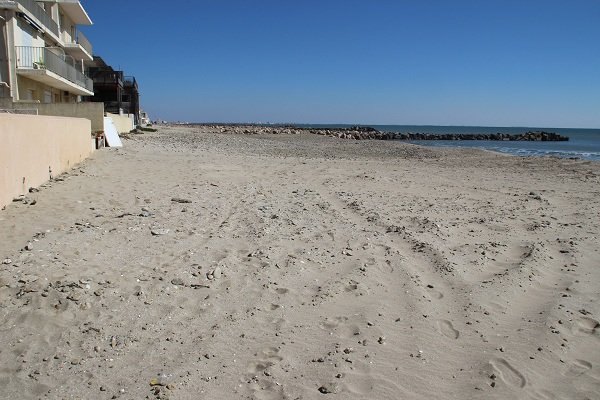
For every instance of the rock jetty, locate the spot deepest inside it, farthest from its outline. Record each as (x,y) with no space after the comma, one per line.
(353,132)
(531,136)
(369,133)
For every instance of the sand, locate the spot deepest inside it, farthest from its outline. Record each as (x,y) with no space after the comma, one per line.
(198,265)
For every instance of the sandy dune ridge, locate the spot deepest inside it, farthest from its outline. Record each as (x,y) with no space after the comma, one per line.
(192,264)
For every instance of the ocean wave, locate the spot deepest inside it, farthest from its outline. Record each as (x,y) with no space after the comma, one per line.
(546,153)
(525,149)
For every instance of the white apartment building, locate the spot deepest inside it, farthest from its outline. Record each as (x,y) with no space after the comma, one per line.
(43,55)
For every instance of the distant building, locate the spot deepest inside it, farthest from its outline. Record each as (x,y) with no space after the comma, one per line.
(144,118)
(43,55)
(119,93)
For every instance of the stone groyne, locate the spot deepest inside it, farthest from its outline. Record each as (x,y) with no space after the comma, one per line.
(531,136)
(369,133)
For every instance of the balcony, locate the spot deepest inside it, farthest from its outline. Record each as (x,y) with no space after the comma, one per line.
(32,11)
(107,78)
(43,65)
(130,81)
(35,14)
(79,46)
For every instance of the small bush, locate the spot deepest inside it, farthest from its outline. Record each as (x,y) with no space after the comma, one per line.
(141,128)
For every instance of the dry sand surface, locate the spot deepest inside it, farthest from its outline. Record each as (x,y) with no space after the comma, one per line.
(198,265)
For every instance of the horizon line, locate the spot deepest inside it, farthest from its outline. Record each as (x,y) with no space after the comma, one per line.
(378,124)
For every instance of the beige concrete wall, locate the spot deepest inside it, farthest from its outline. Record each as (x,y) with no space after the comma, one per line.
(25,35)
(38,90)
(123,123)
(92,111)
(32,145)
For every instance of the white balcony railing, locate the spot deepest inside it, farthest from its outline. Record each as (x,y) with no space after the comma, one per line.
(30,58)
(81,40)
(78,39)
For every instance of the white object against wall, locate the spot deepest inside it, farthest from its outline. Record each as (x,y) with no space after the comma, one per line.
(111,134)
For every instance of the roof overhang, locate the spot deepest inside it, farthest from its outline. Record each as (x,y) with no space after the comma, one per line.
(78,52)
(75,11)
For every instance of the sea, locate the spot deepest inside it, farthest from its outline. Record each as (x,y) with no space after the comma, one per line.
(583,143)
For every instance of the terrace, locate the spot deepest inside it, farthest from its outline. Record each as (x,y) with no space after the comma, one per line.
(42,64)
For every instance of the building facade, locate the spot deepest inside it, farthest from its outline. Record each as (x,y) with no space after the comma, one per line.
(44,58)
(119,93)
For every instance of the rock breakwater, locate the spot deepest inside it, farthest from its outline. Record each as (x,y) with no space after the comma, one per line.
(369,133)
(354,132)
(530,136)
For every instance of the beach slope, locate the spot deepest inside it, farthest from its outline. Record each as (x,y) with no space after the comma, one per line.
(193,264)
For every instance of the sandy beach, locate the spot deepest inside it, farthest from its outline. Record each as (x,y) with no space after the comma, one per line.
(191,264)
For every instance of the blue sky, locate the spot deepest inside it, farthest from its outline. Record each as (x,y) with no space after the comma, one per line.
(460,62)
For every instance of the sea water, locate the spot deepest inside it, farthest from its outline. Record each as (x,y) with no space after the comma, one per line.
(583,143)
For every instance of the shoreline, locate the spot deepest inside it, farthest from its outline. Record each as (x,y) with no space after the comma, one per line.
(194,263)
(555,154)
(529,144)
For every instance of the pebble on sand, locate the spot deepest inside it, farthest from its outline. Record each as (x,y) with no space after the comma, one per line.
(180,200)
(329,388)
(158,231)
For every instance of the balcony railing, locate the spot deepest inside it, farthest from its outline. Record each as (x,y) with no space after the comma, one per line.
(107,78)
(78,39)
(84,42)
(130,81)
(38,12)
(43,58)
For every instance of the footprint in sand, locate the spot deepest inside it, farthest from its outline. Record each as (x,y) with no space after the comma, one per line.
(351,287)
(332,323)
(446,329)
(434,294)
(508,373)
(276,323)
(587,326)
(265,389)
(272,353)
(254,367)
(496,307)
(266,358)
(340,327)
(578,368)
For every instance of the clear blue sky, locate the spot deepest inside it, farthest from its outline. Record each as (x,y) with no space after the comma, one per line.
(440,62)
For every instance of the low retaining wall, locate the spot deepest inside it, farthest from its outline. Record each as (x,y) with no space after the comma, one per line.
(31,146)
(92,111)
(123,123)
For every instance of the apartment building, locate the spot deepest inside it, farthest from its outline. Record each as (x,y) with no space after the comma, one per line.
(43,55)
(119,92)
